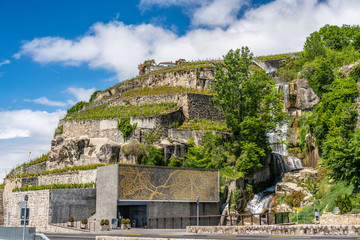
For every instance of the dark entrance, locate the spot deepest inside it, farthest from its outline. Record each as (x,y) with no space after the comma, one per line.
(137,212)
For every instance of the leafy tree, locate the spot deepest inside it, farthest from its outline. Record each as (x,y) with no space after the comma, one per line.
(321,78)
(125,127)
(314,46)
(251,106)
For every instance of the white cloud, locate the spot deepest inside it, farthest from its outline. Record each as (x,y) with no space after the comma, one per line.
(277,27)
(24,131)
(81,94)
(47,102)
(218,13)
(4,62)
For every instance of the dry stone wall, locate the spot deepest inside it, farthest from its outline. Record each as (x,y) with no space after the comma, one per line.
(328,230)
(344,219)
(66,178)
(198,78)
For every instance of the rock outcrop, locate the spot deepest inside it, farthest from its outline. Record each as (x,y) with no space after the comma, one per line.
(301,96)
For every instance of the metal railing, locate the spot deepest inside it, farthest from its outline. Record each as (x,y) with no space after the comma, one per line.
(219,220)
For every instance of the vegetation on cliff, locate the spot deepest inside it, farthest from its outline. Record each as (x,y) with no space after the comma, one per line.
(332,124)
(251,106)
(104,111)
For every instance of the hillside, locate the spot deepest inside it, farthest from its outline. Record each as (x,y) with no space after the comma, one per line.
(180,116)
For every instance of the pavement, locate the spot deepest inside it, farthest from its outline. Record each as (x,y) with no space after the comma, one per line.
(170,234)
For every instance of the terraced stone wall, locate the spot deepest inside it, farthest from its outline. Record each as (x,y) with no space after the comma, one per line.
(197,78)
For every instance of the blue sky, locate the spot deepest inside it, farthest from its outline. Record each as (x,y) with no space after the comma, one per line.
(55,53)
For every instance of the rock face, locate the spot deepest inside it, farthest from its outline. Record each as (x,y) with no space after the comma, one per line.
(302,97)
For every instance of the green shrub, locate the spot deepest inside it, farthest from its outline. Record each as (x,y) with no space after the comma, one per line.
(93,96)
(123,221)
(295,198)
(59,130)
(175,162)
(355,73)
(344,203)
(84,221)
(102,222)
(77,107)
(204,125)
(153,156)
(124,126)
(152,135)
(70,219)
(127,221)
(106,222)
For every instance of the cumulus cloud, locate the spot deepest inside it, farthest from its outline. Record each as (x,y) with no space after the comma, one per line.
(4,62)
(218,13)
(47,102)
(24,131)
(81,94)
(277,27)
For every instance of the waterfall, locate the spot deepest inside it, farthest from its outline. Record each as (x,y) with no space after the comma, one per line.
(281,159)
(261,200)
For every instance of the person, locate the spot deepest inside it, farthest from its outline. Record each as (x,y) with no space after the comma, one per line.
(317,216)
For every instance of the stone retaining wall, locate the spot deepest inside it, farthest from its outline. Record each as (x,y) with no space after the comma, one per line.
(195,106)
(49,206)
(330,230)
(344,219)
(188,78)
(84,176)
(107,128)
(38,204)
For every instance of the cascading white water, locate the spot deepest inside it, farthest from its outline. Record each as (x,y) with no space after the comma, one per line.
(282,160)
(260,201)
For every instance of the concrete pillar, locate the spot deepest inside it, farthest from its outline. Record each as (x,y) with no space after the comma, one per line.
(107,185)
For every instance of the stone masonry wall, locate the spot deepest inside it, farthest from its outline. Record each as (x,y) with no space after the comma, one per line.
(38,204)
(65,178)
(195,106)
(186,78)
(344,219)
(329,230)
(1,208)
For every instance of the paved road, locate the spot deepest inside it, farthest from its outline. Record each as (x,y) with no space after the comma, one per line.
(181,234)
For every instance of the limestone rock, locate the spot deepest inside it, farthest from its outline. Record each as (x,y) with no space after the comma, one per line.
(108,153)
(302,96)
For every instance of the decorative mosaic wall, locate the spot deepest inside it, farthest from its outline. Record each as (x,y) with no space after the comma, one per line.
(161,183)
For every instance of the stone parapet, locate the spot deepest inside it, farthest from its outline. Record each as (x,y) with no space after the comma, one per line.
(328,230)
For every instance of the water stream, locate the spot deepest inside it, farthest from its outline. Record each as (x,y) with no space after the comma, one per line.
(281,159)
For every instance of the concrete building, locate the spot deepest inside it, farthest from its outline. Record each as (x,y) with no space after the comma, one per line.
(145,193)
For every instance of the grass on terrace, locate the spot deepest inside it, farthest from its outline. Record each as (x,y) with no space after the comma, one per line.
(55,186)
(160,90)
(204,125)
(184,66)
(105,112)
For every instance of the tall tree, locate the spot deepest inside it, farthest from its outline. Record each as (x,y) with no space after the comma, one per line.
(250,103)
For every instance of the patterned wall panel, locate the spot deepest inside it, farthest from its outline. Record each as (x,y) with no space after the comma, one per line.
(162,183)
